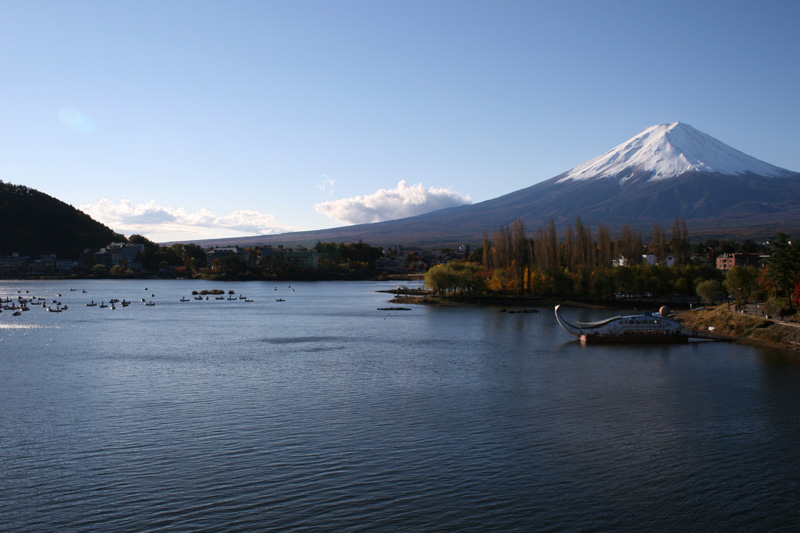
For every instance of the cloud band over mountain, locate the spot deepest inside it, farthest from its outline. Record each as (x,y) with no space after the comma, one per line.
(390,204)
(161,223)
(153,220)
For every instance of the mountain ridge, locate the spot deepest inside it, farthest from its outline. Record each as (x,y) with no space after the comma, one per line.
(665,172)
(743,210)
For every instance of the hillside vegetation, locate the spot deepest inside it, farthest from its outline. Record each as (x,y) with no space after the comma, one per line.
(33,223)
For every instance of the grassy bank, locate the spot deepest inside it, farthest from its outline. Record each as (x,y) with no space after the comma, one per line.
(723,322)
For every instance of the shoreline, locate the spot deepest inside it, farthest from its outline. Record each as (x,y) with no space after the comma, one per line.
(748,329)
(423,297)
(725,324)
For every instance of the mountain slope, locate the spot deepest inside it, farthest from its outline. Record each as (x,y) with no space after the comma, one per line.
(33,223)
(667,171)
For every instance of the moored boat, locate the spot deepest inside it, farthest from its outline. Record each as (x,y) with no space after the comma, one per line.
(644,328)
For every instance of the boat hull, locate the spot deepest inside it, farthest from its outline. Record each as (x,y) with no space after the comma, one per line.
(643,338)
(648,328)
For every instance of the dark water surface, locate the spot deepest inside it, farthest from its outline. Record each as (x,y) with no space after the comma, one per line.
(321,412)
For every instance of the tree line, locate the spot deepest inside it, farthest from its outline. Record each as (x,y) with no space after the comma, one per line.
(336,261)
(578,263)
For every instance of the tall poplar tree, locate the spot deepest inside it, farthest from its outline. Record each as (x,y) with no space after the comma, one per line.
(605,248)
(569,250)
(487,253)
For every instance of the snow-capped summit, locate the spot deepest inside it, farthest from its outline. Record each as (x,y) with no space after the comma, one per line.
(669,150)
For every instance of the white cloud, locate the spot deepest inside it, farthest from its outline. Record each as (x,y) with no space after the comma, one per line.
(391,204)
(328,183)
(167,224)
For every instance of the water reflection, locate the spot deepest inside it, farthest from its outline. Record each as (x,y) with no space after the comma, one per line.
(322,412)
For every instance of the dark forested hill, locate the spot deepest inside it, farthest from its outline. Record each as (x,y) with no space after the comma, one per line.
(33,223)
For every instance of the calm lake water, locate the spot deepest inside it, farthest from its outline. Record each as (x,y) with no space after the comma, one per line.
(321,412)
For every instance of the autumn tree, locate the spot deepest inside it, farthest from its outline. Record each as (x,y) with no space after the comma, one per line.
(455,276)
(708,290)
(487,252)
(679,242)
(501,256)
(520,252)
(658,244)
(437,279)
(742,282)
(569,250)
(546,248)
(630,244)
(584,249)
(605,249)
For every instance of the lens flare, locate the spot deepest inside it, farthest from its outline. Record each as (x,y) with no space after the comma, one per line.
(76,120)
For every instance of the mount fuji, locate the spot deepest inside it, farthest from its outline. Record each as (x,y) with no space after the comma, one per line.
(668,151)
(667,171)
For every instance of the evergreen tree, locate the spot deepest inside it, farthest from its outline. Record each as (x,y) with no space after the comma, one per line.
(783,266)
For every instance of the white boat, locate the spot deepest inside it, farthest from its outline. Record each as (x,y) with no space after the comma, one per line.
(646,327)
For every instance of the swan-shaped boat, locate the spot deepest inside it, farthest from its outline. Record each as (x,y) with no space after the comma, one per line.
(647,327)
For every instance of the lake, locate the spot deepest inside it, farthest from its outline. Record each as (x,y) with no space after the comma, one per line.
(322,412)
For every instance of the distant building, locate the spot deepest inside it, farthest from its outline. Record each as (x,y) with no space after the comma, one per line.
(390,265)
(620,261)
(66,265)
(301,258)
(46,264)
(304,259)
(728,261)
(13,265)
(118,253)
(218,252)
(652,259)
(17,265)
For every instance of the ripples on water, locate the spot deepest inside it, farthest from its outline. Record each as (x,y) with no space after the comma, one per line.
(323,413)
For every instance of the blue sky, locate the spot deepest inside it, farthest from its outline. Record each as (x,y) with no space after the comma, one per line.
(192,119)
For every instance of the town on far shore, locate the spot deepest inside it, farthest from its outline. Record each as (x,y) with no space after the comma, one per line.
(141,258)
(137,259)
(510,265)
(759,280)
